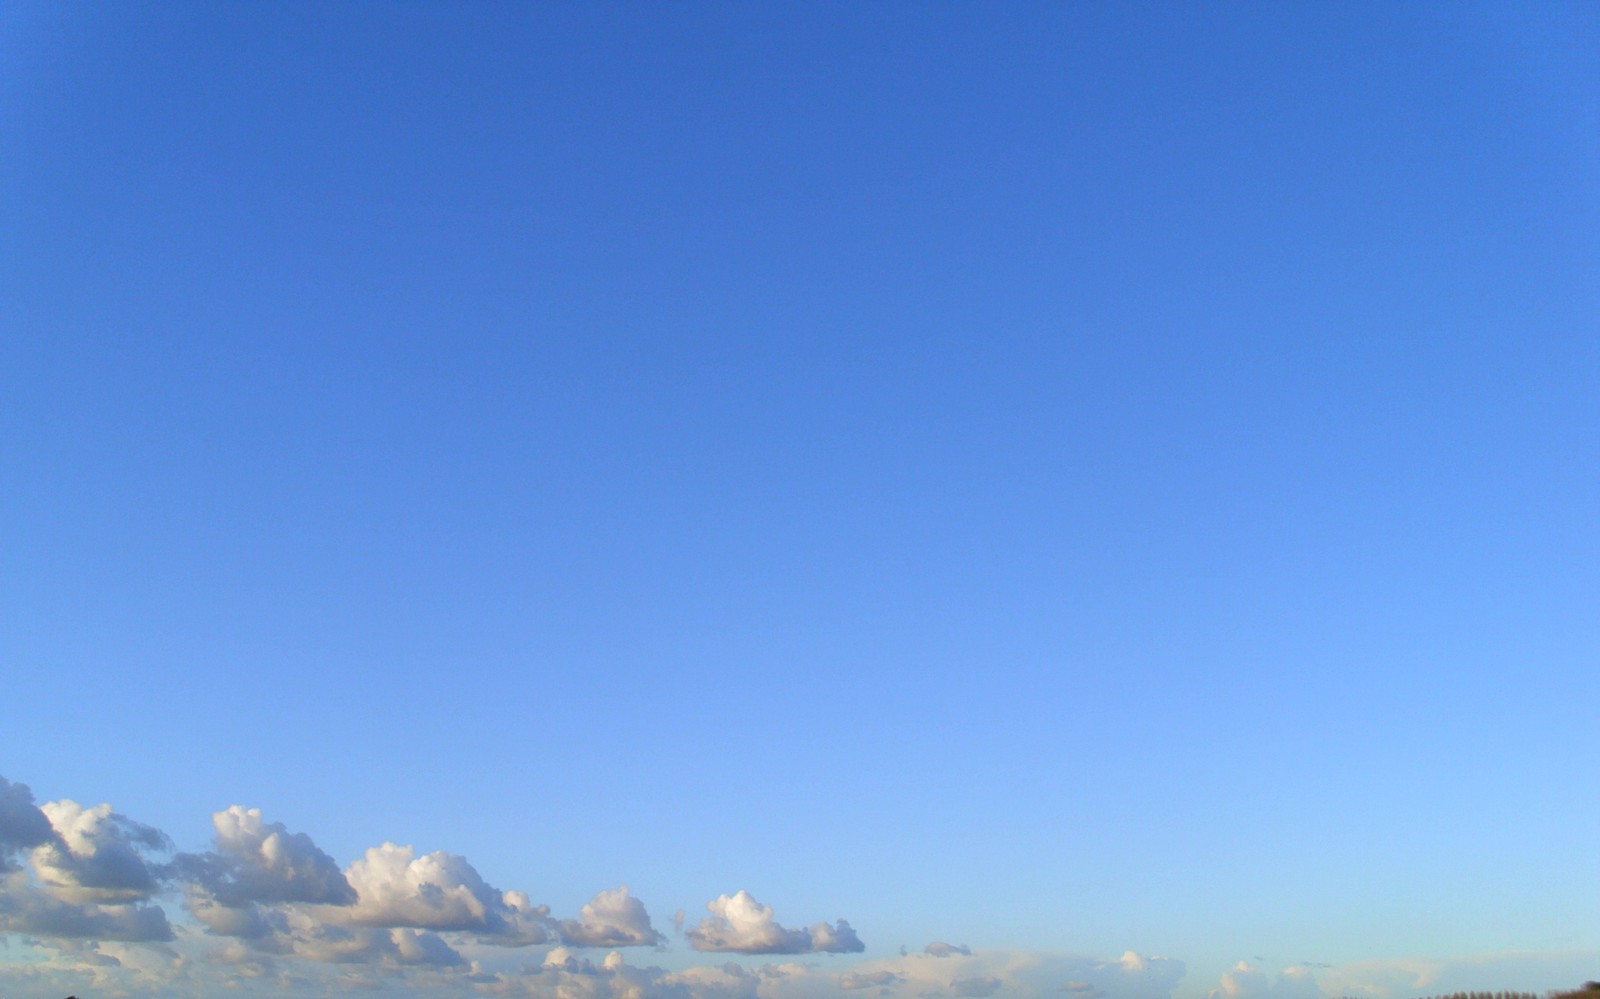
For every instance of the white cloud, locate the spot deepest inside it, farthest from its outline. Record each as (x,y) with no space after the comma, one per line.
(96,855)
(90,877)
(611,919)
(263,862)
(438,891)
(739,924)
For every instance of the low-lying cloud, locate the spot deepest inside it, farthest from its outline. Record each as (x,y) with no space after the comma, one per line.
(611,919)
(266,903)
(438,891)
(738,924)
(263,910)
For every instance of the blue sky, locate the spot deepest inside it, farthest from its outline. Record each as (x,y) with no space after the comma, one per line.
(1064,481)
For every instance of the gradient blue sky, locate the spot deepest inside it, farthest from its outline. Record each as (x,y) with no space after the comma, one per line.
(1059,479)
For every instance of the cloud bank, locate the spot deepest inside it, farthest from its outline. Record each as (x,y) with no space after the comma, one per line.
(94,902)
(89,888)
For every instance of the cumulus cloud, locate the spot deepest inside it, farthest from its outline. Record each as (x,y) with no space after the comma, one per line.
(982,985)
(611,919)
(438,891)
(739,924)
(276,909)
(941,949)
(256,861)
(96,855)
(91,879)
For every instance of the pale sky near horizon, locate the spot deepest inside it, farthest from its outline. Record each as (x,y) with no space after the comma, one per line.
(1109,490)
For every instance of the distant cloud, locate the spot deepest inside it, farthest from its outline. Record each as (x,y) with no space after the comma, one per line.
(868,979)
(438,891)
(84,888)
(1246,981)
(1139,974)
(91,875)
(611,919)
(985,985)
(739,924)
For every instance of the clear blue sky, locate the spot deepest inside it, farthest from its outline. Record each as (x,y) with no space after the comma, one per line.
(1060,479)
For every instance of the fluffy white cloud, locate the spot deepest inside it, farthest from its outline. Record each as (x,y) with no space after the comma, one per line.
(90,877)
(739,924)
(263,862)
(96,855)
(611,919)
(438,891)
